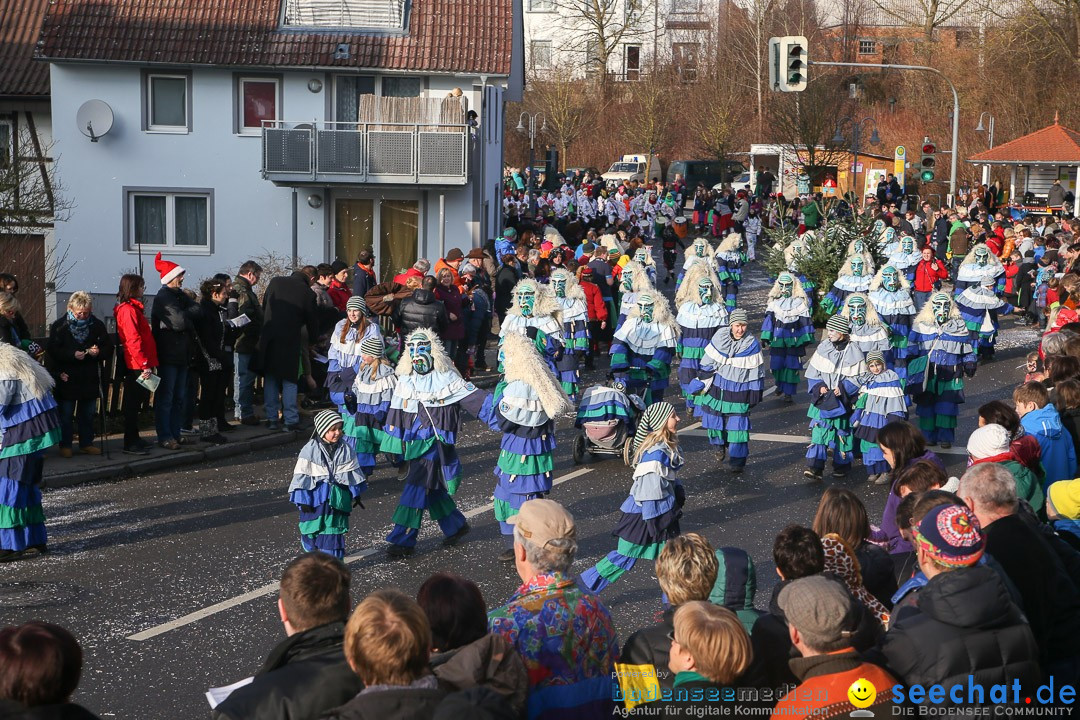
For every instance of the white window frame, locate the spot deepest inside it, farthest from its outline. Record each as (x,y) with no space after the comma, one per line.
(542,6)
(242,129)
(685,7)
(10,149)
(170,195)
(626,62)
(549,45)
(178,129)
(873,46)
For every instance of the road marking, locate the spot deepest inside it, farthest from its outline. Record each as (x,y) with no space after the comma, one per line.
(690,428)
(805,439)
(273,587)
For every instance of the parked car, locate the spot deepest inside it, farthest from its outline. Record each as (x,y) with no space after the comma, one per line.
(739,182)
(706,172)
(632,167)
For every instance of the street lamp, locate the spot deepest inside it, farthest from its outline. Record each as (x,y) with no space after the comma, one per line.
(857,128)
(990,133)
(532,132)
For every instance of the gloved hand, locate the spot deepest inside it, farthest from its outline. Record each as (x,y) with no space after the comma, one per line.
(680,496)
(350,401)
(307,508)
(970,368)
(356,502)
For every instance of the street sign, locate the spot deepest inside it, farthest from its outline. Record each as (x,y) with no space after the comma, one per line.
(899,163)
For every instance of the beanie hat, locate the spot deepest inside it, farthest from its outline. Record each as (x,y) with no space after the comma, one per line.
(455,254)
(652,419)
(373,346)
(737,316)
(337,266)
(326,420)
(875,356)
(1065,496)
(839,323)
(988,441)
(356,303)
(168,270)
(510,233)
(950,534)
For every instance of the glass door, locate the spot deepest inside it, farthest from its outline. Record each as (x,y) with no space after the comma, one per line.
(354,227)
(399,235)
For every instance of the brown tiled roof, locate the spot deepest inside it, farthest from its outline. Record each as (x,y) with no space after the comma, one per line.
(20,23)
(472,36)
(1053,144)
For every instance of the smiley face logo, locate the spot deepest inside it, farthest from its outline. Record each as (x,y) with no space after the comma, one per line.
(862,693)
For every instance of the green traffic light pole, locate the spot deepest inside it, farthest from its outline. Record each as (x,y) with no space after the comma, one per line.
(955,113)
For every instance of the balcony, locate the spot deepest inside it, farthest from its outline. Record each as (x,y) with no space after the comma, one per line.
(377,153)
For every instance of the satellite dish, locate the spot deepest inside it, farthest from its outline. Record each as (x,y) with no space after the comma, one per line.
(94,119)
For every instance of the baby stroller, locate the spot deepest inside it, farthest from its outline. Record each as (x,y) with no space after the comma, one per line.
(607,418)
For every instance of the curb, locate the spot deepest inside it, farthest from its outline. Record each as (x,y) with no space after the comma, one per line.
(144,466)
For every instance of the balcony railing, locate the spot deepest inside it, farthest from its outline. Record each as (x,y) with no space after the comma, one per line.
(376,153)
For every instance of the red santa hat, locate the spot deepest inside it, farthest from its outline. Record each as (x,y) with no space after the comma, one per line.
(169,271)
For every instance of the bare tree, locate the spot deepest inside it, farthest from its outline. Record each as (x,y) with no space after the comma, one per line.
(31,194)
(751,30)
(929,15)
(568,105)
(645,124)
(714,124)
(804,123)
(598,28)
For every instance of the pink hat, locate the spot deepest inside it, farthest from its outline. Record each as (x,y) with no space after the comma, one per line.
(169,271)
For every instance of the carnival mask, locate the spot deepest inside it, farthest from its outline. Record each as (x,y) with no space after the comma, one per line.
(879,227)
(890,278)
(890,234)
(860,246)
(558,284)
(907,244)
(787,285)
(704,290)
(699,247)
(526,299)
(941,304)
(627,279)
(646,308)
(641,256)
(419,347)
(982,255)
(857,310)
(857,266)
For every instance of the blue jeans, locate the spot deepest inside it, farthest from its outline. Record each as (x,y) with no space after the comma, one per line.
(921,299)
(170,400)
(83,412)
(245,387)
(272,386)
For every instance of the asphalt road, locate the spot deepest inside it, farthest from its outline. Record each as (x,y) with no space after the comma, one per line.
(168,580)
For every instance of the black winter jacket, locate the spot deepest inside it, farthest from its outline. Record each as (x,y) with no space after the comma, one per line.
(11,710)
(215,337)
(394,704)
(650,646)
(84,376)
(303,677)
(247,303)
(878,572)
(288,307)
(421,310)
(963,623)
(172,320)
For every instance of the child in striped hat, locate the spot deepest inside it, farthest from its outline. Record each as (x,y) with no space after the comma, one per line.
(326,484)
(367,404)
(344,352)
(651,512)
(881,400)
(832,378)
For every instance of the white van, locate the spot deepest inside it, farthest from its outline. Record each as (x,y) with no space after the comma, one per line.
(632,167)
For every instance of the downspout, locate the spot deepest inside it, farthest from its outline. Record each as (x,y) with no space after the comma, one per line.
(295,231)
(442,225)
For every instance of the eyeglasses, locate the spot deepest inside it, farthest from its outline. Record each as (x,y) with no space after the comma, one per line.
(671,636)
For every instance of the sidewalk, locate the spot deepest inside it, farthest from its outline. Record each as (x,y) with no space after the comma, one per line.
(64,472)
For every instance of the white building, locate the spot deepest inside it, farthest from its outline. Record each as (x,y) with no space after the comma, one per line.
(309,129)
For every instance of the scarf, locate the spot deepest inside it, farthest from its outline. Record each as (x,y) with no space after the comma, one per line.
(80,329)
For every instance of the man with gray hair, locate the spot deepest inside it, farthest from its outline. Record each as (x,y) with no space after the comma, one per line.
(1050,597)
(565,636)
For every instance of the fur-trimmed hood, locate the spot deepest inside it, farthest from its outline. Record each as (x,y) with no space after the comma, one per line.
(661,310)
(15,364)
(991,261)
(688,290)
(610,242)
(851,247)
(796,292)
(872,317)
(794,250)
(573,287)
(553,236)
(875,284)
(868,264)
(926,315)
(442,361)
(732,243)
(641,282)
(522,361)
(546,303)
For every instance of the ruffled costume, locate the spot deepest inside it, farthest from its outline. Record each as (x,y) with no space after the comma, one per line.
(896,308)
(698,322)
(940,356)
(847,284)
(787,329)
(881,400)
(575,336)
(326,478)
(979,306)
(832,368)
(641,354)
(344,361)
(729,260)
(373,388)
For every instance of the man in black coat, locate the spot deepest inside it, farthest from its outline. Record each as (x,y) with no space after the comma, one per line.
(964,622)
(306,674)
(289,318)
(364,273)
(1050,596)
(172,320)
(422,310)
(247,342)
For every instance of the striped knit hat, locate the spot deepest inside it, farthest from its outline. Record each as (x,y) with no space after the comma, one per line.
(372,346)
(839,323)
(652,419)
(875,356)
(326,420)
(357,303)
(737,316)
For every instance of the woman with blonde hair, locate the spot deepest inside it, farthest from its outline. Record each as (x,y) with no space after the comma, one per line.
(345,356)
(367,403)
(78,345)
(650,515)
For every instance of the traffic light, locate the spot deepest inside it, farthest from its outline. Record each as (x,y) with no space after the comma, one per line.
(788,63)
(928,161)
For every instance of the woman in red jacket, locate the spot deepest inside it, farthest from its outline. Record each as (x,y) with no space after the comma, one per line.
(928,276)
(598,314)
(140,357)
